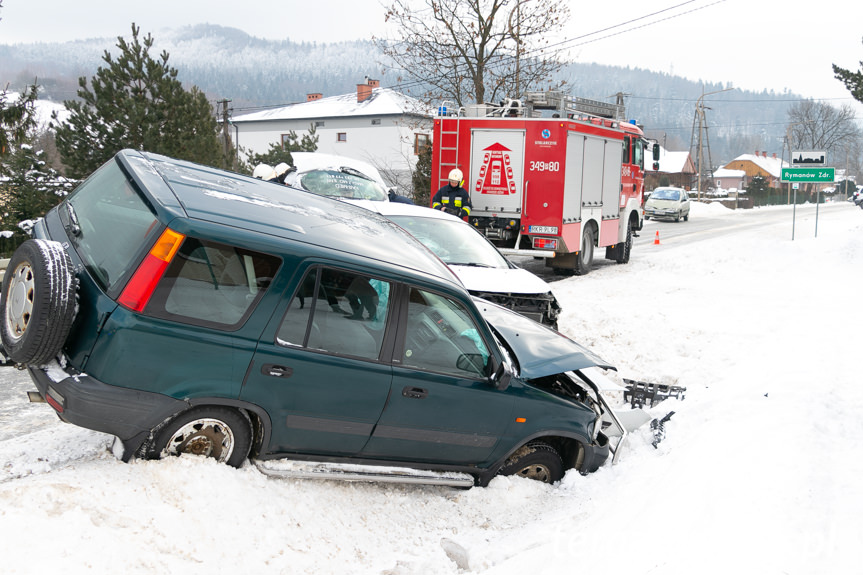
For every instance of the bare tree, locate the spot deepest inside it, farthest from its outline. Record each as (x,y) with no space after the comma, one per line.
(474,50)
(820,126)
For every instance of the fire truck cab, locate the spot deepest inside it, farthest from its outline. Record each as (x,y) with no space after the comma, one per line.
(549,176)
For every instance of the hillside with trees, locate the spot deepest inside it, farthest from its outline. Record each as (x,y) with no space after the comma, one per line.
(226,63)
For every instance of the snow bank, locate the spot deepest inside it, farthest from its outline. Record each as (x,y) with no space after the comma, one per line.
(758,473)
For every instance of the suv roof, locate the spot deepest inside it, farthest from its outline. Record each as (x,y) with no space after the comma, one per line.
(243,202)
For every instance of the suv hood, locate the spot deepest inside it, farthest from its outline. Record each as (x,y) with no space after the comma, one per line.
(539,350)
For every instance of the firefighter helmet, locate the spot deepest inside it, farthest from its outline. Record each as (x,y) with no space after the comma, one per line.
(455,175)
(263,172)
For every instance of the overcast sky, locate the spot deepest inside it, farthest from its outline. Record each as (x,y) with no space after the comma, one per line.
(753,44)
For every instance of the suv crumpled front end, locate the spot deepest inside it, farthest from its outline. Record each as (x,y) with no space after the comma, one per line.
(550,362)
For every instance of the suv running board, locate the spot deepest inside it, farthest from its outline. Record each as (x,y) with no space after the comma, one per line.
(291,469)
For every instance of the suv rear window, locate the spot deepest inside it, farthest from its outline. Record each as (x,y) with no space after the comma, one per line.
(108,223)
(212,284)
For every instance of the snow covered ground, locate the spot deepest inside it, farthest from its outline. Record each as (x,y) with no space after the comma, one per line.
(759,472)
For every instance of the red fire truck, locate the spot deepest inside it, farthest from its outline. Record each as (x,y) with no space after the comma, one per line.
(549,176)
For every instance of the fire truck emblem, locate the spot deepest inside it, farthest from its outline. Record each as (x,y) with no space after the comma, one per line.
(495,174)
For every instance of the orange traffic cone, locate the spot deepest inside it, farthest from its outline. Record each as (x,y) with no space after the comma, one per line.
(656,240)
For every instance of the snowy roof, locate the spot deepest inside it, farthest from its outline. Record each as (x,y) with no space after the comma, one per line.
(671,162)
(771,165)
(381,102)
(723,173)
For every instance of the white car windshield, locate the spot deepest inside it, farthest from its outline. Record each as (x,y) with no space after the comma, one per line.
(665,195)
(345,183)
(456,243)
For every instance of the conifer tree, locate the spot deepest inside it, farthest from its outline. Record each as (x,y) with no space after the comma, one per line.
(16,118)
(278,153)
(32,188)
(136,102)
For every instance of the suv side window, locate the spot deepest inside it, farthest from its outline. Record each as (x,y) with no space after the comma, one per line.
(212,284)
(442,337)
(339,312)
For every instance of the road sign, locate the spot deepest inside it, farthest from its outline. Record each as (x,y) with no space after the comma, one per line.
(806,158)
(808,174)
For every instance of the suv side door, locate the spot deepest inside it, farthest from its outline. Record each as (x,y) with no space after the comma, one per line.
(318,369)
(442,407)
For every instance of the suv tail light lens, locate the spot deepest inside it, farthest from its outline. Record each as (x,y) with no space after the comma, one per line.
(137,292)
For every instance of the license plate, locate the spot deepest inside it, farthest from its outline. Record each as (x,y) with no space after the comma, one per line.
(542,230)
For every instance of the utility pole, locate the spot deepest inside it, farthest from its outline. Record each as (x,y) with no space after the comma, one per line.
(701,120)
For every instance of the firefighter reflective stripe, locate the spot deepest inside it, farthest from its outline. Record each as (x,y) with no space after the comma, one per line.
(458,202)
(466,210)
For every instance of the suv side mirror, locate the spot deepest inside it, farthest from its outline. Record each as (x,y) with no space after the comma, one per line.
(655,152)
(501,377)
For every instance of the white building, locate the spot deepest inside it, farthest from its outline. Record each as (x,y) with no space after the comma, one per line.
(378,125)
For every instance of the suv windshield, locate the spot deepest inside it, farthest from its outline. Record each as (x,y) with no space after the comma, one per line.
(344,183)
(454,242)
(107,222)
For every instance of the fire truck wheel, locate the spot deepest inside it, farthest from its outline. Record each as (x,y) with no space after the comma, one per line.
(626,248)
(585,257)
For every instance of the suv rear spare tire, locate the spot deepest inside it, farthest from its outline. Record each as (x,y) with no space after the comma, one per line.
(37,304)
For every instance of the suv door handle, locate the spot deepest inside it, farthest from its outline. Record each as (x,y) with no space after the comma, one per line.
(276,370)
(415,392)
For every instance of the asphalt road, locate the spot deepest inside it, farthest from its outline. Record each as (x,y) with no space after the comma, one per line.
(699,228)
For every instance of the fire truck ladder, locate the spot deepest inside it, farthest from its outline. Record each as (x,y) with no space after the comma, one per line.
(448,145)
(570,107)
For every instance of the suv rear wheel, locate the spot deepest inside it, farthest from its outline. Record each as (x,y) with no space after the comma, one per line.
(37,305)
(222,433)
(537,460)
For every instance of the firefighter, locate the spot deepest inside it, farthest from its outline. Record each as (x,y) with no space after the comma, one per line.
(452,198)
(281,172)
(263,172)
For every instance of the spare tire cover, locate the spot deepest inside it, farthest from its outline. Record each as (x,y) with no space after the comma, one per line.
(37,305)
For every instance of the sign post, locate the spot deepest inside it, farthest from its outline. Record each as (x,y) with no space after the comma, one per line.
(807,175)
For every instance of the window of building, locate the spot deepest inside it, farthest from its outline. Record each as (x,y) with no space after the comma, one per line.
(342,137)
(376,122)
(421,141)
(319,123)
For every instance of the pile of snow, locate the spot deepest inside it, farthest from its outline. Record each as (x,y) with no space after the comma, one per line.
(759,471)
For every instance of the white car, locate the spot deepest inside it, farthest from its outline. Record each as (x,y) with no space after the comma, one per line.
(667,202)
(340,176)
(483,270)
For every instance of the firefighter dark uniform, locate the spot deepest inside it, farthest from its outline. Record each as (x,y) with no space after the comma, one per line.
(452,199)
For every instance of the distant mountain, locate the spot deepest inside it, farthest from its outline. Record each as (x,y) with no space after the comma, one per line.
(251,72)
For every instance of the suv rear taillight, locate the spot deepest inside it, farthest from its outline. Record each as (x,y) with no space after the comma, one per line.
(137,292)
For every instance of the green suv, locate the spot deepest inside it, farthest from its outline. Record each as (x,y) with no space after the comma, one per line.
(185,309)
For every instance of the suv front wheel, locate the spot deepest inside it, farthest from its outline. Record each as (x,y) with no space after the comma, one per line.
(537,460)
(37,305)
